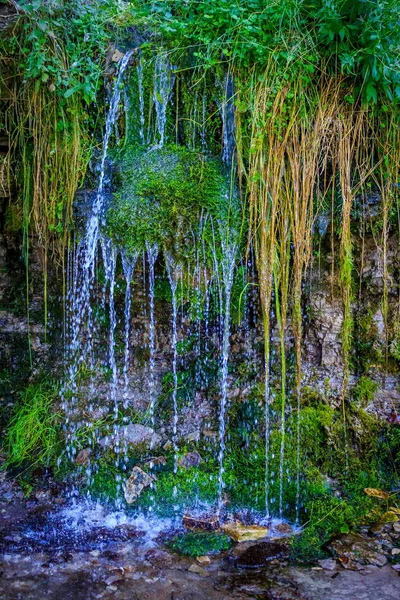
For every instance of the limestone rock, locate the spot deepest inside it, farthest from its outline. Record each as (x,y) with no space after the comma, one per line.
(353,549)
(244,533)
(133,434)
(137,482)
(190,459)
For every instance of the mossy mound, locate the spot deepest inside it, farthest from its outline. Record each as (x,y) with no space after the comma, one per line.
(200,544)
(162,195)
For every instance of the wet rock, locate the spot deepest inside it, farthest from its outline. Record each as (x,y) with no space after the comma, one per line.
(193,436)
(283,528)
(329,564)
(190,459)
(210,434)
(83,457)
(259,555)
(204,522)
(133,434)
(137,482)
(354,550)
(203,560)
(156,461)
(195,568)
(244,533)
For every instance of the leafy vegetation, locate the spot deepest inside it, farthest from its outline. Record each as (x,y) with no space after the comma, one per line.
(200,544)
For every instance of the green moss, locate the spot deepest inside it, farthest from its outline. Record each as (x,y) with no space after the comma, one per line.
(161,196)
(200,544)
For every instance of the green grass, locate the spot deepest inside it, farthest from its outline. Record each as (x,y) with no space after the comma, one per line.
(33,435)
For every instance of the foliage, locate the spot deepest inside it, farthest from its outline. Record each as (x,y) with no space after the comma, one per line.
(365,390)
(200,544)
(33,436)
(358,38)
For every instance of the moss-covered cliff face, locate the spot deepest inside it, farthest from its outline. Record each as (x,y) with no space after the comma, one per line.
(259,328)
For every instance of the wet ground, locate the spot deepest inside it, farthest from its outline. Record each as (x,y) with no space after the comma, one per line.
(82,553)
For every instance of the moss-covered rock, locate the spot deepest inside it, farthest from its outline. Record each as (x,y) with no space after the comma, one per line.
(164,197)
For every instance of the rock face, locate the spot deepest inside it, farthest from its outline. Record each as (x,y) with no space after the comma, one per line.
(137,482)
(355,552)
(132,435)
(244,533)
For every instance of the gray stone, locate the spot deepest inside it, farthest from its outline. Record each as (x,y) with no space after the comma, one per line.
(137,482)
(190,459)
(133,435)
(329,564)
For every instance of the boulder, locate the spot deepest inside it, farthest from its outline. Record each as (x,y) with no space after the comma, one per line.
(137,482)
(133,434)
(190,459)
(259,555)
(244,533)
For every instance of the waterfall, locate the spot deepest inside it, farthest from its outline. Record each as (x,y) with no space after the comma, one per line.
(128,265)
(164,80)
(229,249)
(227,110)
(139,71)
(152,253)
(79,349)
(173,275)
(92,229)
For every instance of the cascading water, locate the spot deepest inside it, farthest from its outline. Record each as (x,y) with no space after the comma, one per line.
(139,71)
(164,80)
(173,276)
(152,253)
(229,250)
(79,306)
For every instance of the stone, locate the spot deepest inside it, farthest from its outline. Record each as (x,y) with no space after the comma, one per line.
(190,459)
(137,482)
(329,564)
(354,548)
(395,552)
(156,461)
(210,434)
(396,527)
(204,522)
(283,528)
(244,533)
(133,434)
(193,436)
(83,457)
(203,560)
(194,568)
(117,55)
(258,555)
